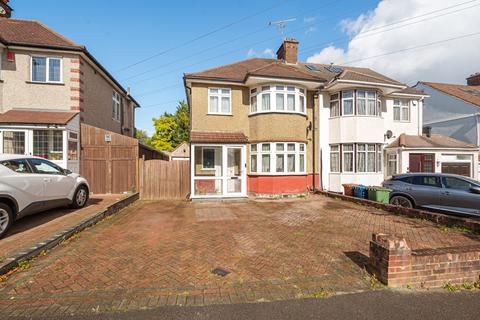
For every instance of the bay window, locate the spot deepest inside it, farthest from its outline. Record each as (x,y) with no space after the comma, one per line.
(356,157)
(46,69)
(366,103)
(401,110)
(347,102)
(355,102)
(278,158)
(278,98)
(219,101)
(335,105)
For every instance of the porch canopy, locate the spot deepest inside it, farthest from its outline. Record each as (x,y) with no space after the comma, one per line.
(218,164)
(36,117)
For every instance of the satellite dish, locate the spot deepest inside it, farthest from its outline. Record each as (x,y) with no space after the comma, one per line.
(389,134)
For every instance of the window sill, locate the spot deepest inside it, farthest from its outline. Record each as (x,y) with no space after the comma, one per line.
(220,114)
(46,83)
(355,116)
(269,174)
(277,112)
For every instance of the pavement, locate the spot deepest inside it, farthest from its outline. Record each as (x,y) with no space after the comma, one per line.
(384,304)
(31,230)
(158,254)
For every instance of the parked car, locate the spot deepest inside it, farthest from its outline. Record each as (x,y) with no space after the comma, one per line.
(444,192)
(30,185)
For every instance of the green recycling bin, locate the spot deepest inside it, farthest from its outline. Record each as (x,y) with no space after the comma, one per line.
(379,194)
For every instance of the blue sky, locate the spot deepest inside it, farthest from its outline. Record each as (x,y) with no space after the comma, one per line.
(127,32)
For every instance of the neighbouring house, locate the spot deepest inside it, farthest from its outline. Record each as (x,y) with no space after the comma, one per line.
(49,86)
(280,126)
(181,152)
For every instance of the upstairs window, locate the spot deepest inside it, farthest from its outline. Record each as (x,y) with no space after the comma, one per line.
(367,103)
(278,98)
(355,102)
(347,102)
(335,105)
(401,110)
(116,106)
(219,101)
(46,69)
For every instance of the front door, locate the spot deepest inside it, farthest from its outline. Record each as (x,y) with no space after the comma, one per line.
(421,162)
(235,171)
(14,142)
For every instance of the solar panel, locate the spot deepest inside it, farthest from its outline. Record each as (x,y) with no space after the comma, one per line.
(312,67)
(334,69)
(471,91)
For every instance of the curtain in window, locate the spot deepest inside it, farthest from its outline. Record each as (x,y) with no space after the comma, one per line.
(39,69)
(361,107)
(334,162)
(302,163)
(291,102)
(371,107)
(371,158)
(302,104)
(361,158)
(348,158)
(291,163)
(280,163)
(266,101)
(253,163)
(225,105)
(265,163)
(280,101)
(396,113)
(213,104)
(253,103)
(54,70)
(405,114)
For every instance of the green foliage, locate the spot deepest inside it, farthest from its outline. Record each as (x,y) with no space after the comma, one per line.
(172,129)
(143,137)
(449,287)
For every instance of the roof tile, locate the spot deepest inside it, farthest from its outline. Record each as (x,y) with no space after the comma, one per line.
(36,117)
(470,94)
(217,137)
(434,141)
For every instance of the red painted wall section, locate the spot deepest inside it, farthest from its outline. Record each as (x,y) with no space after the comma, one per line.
(280,184)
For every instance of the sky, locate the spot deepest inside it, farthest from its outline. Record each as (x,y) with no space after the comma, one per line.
(148,45)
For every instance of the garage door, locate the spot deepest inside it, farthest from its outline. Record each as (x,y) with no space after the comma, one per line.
(462,169)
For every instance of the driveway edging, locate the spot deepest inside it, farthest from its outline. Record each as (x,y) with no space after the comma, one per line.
(439,218)
(51,242)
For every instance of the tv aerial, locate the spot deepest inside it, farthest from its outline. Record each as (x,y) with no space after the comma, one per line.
(281,24)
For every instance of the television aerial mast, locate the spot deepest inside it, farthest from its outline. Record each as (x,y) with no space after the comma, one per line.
(281,24)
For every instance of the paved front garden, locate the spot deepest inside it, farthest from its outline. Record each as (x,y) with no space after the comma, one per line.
(162,253)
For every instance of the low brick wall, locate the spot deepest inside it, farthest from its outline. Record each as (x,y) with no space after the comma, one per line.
(396,265)
(472,224)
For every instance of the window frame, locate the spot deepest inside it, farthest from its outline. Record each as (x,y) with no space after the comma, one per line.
(342,105)
(203,159)
(355,103)
(47,68)
(397,104)
(338,162)
(338,106)
(273,90)
(353,157)
(116,106)
(273,154)
(377,151)
(392,159)
(220,95)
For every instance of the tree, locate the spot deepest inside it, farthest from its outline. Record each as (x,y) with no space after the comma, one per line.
(171,129)
(143,137)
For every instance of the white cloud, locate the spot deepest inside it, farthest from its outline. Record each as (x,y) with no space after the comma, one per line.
(266,53)
(450,61)
(309,19)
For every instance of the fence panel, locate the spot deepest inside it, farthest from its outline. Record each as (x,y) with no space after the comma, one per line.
(161,179)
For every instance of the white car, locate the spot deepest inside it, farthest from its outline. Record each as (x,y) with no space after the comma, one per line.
(29,185)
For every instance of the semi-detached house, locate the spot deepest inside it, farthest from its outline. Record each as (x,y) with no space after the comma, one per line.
(49,86)
(280,126)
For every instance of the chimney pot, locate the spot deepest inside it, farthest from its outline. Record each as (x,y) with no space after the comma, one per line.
(474,79)
(288,51)
(427,131)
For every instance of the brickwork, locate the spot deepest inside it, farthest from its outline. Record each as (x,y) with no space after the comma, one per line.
(396,265)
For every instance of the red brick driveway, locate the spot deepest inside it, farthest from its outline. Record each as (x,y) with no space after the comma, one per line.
(162,253)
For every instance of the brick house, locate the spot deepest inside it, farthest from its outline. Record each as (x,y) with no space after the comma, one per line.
(49,86)
(280,126)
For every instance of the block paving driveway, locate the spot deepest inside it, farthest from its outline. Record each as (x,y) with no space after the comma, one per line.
(161,253)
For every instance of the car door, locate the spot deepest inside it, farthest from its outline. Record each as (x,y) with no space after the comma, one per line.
(425,190)
(457,196)
(58,185)
(27,187)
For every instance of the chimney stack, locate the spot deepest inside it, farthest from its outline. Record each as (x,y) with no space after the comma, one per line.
(5,9)
(427,131)
(288,51)
(474,79)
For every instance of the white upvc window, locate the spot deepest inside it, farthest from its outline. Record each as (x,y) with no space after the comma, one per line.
(401,110)
(219,101)
(366,161)
(116,102)
(367,104)
(46,69)
(348,156)
(278,98)
(347,102)
(278,158)
(335,158)
(392,164)
(335,105)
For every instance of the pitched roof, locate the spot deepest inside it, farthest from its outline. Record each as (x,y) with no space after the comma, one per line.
(25,32)
(182,150)
(470,94)
(217,137)
(410,90)
(36,117)
(434,141)
(240,70)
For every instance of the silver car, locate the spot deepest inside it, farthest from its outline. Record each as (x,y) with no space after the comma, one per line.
(443,192)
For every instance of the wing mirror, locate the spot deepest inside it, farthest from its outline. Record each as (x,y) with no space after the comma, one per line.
(475,190)
(67,172)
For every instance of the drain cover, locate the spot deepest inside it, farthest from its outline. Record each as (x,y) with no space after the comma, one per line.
(220,272)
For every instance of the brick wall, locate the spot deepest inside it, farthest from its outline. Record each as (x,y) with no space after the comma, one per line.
(396,265)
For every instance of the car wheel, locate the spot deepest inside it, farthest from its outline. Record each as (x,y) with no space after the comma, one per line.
(80,197)
(401,202)
(6,218)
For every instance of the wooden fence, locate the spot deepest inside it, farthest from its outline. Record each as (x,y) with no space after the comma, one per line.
(108,160)
(160,179)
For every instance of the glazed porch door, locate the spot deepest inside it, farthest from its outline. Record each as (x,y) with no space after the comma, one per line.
(235,175)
